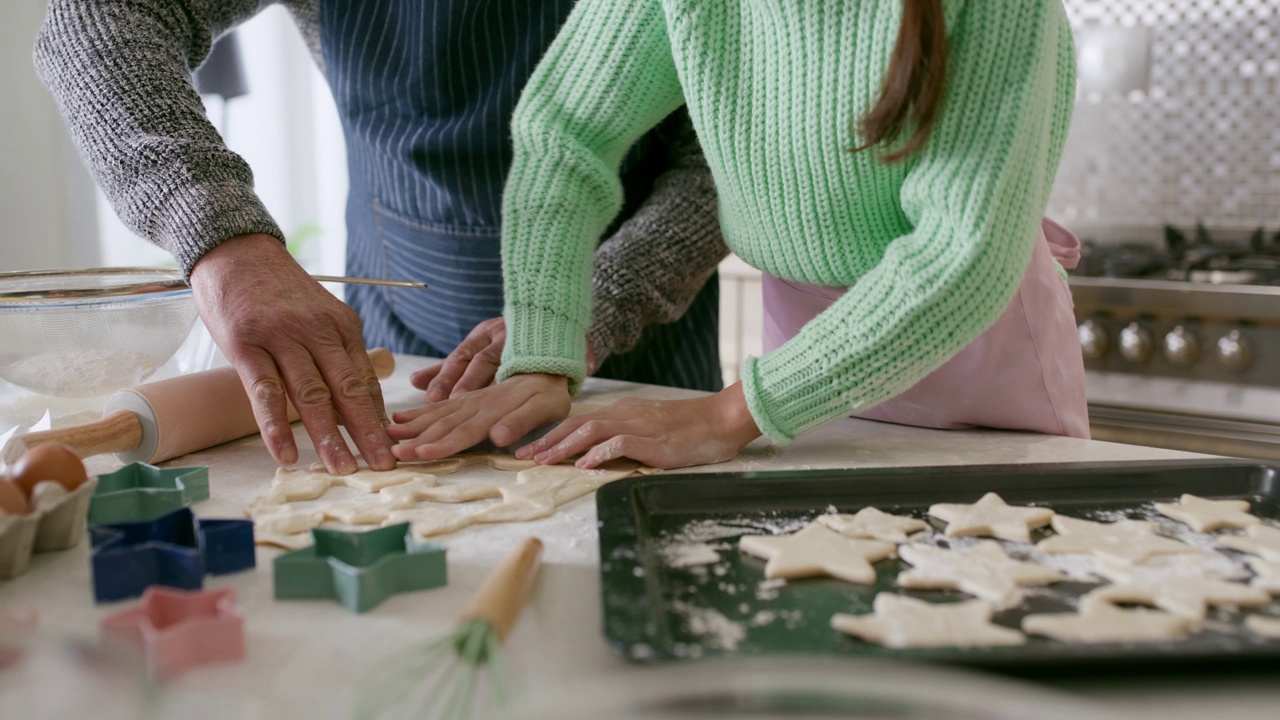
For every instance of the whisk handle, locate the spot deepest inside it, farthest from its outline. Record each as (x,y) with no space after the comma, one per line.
(117,432)
(503,594)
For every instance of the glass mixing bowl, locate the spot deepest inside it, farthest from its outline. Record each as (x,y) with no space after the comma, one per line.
(84,333)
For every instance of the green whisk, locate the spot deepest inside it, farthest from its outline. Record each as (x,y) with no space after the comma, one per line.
(461,675)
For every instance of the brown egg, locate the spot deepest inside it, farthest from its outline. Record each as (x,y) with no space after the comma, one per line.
(12,501)
(48,462)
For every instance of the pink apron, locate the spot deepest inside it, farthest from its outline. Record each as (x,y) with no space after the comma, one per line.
(1025,372)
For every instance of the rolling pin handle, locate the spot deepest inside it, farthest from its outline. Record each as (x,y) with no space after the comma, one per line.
(117,432)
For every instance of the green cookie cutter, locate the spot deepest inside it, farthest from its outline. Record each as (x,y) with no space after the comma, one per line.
(359,569)
(139,492)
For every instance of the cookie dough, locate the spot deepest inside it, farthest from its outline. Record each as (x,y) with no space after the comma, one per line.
(1266,575)
(1174,587)
(1101,622)
(1207,515)
(983,570)
(903,622)
(990,516)
(817,550)
(1126,541)
(1260,540)
(874,524)
(1263,626)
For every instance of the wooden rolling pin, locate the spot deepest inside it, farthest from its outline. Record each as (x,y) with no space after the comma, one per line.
(165,419)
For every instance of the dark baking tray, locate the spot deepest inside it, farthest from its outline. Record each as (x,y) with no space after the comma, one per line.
(649,605)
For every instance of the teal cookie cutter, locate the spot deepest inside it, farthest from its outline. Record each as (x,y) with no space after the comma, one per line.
(138,492)
(359,569)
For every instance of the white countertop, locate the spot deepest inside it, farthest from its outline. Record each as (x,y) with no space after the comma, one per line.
(304,658)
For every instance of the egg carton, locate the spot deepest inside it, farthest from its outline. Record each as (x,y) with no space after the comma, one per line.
(56,522)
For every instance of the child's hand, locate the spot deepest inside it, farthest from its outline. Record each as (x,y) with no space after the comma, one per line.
(658,433)
(504,413)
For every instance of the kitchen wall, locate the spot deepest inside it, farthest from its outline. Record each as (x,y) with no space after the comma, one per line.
(1177,119)
(47,214)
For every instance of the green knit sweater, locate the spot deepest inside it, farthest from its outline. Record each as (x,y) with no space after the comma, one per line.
(933,248)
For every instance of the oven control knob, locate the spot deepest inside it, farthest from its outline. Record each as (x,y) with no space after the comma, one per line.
(1136,343)
(1094,342)
(1181,347)
(1235,352)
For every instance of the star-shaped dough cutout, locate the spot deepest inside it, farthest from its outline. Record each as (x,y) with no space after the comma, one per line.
(1263,626)
(903,622)
(817,550)
(1178,591)
(1126,541)
(1101,622)
(1267,575)
(1207,515)
(990,516)
(874,524)
(983,570)
(1260,540)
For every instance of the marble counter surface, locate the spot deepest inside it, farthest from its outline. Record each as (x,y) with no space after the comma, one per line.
(305,658)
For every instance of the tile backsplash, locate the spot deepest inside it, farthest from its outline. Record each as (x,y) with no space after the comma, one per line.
(1196,139)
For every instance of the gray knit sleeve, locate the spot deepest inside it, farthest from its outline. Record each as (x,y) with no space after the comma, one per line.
(650,270)
(121,75)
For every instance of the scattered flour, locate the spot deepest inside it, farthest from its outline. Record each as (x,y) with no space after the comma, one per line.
(711,626)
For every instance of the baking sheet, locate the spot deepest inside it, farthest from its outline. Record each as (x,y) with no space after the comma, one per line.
(662,601)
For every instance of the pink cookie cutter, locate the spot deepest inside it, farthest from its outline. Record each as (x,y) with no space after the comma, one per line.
(180,629)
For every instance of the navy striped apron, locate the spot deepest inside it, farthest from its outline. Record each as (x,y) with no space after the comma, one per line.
(425,90)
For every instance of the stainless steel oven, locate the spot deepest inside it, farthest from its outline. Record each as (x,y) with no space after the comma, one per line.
(1182,342)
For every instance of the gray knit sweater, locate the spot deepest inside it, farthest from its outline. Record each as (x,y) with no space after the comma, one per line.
(121,75)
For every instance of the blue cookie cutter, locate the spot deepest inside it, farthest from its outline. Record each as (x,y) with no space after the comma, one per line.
(176,550)
(139,491)
(359,569)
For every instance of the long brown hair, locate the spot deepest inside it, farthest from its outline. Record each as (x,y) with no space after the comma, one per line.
(914,83)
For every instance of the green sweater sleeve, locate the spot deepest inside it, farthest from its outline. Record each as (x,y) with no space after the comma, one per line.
(606,80)
(974,198)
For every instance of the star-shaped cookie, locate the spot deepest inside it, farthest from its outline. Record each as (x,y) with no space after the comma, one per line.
(1263,625)
(1173,588)
(874,524)
(817,550)
(1101,622)
(903,622)
(990,516)
(1126,541)
(1260,540)
(1267,575)
(983,570)
(1206,515)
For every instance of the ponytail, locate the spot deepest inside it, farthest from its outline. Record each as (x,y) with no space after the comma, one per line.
(913,86)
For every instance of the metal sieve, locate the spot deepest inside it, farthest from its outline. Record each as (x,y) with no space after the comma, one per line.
(83,333)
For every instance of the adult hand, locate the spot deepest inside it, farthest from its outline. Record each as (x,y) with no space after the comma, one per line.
(504,413)
(658,433)
(473,364)
(290,338)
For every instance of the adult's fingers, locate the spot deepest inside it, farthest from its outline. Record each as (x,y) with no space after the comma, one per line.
(262,383)
(357,398)
(315,405)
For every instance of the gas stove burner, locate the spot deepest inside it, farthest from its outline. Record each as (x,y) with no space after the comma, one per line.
(1198,258)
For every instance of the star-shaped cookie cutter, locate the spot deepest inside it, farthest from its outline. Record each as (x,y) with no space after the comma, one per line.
(177,550)
(179,629)
(359,569)
(139,491)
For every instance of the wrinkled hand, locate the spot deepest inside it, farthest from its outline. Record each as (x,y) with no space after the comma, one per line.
(289,337)
(504,413)
(658,433)
(473,364)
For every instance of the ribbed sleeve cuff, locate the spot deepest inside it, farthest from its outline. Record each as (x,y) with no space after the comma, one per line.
(543,341)
(758,404)
(198,217)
